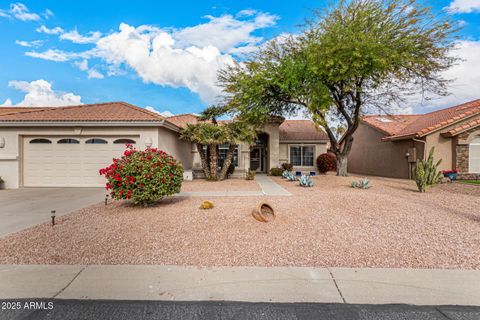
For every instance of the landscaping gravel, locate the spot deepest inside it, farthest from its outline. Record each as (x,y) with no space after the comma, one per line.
(331,224)
(231,184)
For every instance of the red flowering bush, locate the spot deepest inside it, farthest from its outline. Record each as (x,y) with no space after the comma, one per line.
(143,176)
(326,162)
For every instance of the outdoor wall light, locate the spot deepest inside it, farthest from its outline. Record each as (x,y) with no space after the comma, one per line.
(2,142)
(148,142)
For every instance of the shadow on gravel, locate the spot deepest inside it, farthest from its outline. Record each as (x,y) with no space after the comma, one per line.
(103,309)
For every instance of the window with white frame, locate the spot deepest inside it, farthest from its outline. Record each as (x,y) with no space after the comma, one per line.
(302,156)
(474,156)
(222,154)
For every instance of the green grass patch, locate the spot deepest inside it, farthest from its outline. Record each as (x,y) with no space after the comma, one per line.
(470,181)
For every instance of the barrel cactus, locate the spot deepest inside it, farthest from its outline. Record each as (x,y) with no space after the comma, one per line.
(426,172)
(305,181)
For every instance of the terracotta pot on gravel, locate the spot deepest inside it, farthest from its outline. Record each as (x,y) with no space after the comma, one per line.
(263,212)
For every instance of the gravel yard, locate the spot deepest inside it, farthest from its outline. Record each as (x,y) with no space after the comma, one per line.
(331,224)
(232,184)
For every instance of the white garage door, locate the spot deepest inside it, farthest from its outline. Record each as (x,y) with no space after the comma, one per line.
(69,161)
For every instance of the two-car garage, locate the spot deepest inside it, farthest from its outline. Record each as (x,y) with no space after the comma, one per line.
(69,161)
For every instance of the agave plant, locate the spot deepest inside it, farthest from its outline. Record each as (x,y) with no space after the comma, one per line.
(290,176)
(305,181)
(285,174)
(361,184)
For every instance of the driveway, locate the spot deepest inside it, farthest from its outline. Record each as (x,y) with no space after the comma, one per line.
(23,208)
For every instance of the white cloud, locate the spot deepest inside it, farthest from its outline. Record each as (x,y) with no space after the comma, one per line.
(35,43)
(48,13)
(43,29)
(4,14)
(6,103)
(21,12)
(76,37)
(188,57)
(39,93)
(165,113)
(465,75)
(463,6)
(94,74)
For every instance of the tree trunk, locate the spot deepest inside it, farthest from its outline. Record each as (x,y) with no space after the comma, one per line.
(213,162)
(228,161)
(342,161)
(203,160)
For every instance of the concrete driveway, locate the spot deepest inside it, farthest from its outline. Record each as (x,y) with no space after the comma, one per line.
(23,208)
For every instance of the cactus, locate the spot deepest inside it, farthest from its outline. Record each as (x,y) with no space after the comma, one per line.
(361,184)
(426,173)
(305,181)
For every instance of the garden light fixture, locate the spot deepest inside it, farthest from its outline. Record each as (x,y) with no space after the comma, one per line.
(148,142)
(53,212)
(2,142)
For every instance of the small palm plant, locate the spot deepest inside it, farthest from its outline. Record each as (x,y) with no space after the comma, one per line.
(426,172)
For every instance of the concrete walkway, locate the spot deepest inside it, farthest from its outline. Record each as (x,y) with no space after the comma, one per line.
(269,188)
(253,284)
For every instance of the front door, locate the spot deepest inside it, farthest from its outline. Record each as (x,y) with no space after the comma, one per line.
(257,159)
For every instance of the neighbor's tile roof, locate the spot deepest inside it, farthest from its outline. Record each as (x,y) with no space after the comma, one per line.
(112,111)
(182,120)
(391,124)
(462,127)
(298,130)
(421,125)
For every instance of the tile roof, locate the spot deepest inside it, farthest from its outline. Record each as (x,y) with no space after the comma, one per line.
(182,120)
(391,124)
(100,112)
(301,130)
(404,126)
(462,127)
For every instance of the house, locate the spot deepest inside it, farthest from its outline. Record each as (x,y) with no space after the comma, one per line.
(390,145)
(66,146)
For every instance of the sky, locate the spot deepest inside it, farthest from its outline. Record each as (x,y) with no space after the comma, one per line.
(164,55)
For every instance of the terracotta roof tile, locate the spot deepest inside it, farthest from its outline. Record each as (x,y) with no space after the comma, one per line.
(111,111)
(463,127)
(390,124)
(301,130)
(182,120)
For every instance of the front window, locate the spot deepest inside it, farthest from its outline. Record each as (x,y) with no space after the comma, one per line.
(474,156)
(222,154)
(302,156)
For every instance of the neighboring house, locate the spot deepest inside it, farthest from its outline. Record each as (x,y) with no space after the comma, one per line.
(66,146)
(390,145)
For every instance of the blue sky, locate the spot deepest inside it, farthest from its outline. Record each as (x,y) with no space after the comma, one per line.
(165,54)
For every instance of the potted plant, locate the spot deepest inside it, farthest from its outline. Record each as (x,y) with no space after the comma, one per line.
(452,174)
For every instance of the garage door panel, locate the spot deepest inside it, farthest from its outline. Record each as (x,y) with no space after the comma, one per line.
(68,164)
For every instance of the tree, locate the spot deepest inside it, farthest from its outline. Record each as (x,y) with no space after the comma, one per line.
(212,134)
(354,56)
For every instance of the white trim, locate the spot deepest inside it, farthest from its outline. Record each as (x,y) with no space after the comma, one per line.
(475,142)
(302,145)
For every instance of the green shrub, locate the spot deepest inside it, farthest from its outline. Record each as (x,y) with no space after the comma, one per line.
(1,180)
(426,172)
(250,175)
(361,184)
(305,181)
(277,172)
(326,162)
(287,166)
(143,176)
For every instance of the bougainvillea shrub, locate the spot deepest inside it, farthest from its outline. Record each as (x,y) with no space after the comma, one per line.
(326,162)
(143,176)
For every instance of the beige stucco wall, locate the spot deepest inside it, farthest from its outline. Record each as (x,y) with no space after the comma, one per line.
(11,154)
(372,156)
(285,153)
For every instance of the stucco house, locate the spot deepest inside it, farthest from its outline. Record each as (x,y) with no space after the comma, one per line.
(390,145)
(66,146)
